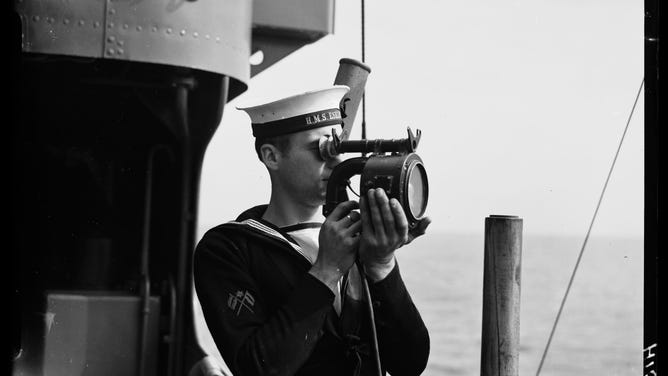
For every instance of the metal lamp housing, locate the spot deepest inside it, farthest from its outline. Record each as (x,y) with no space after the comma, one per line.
(403,177)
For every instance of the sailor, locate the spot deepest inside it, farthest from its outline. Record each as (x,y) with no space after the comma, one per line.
(279,288)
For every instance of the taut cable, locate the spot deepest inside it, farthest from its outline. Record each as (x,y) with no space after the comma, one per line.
(591,224)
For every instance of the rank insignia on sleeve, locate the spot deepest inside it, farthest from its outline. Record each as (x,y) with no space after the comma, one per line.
(241,300)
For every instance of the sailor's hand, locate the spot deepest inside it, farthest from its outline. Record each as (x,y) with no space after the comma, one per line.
(339,241)
(384,230)
(419,229)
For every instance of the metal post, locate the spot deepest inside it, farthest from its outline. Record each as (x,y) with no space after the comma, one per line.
(501,296)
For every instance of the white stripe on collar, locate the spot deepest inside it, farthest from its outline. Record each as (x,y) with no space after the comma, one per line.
(270,232)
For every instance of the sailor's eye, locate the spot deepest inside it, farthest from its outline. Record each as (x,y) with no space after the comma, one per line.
(317,153)
(315,147)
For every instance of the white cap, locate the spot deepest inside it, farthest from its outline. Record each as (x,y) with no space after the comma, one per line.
(297,113)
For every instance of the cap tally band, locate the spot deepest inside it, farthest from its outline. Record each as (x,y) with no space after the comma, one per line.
(298,123)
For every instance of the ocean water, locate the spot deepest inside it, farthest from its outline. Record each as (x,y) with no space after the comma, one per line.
(600,330)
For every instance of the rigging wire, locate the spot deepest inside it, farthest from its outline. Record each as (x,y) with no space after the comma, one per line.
(591,224)
(363,60)
(367,293)
(350,187)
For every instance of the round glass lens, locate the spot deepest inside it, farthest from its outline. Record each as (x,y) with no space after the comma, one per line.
(417,191)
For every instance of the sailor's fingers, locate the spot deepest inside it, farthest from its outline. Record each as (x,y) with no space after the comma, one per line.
(354,228)
(342,210)
(387,217)
(400,221)
(375,214)
(419,229)
(365,215)
(351,218)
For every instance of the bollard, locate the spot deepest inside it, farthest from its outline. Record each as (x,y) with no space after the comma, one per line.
(501,296)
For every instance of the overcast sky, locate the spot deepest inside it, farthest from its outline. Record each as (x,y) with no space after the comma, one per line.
(521,104)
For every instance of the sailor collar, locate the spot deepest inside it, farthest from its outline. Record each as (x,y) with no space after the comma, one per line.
(264,228)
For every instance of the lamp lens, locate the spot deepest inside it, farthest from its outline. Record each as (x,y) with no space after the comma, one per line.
(417,191)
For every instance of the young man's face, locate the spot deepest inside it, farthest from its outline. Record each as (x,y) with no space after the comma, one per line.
(302,172)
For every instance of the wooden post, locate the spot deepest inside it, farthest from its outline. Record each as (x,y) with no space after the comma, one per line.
(501,296)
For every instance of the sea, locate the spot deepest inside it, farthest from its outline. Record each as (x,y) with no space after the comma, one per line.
(600,329)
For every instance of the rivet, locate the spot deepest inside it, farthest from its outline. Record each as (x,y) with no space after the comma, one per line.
(183,32)
(195,35)
(120,51)
(81,22)
(154,29)
(139,28)
(66,21)
(110,25)
(35,18)
(169,30)
(207,36)
(120,43)
(96,24)
(217,39)
(111,51)
(112,11)
(49,20)
(111,39)
(125,26)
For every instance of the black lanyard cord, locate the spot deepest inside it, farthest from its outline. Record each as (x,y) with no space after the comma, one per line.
(372,319)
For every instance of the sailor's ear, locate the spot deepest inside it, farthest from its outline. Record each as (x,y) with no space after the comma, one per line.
(270,156)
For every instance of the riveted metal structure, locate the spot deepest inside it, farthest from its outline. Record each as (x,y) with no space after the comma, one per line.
(217,38)
(281,27)
(115,104)
(212,37)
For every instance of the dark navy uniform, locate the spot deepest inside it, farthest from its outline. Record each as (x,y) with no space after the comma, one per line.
(269,316)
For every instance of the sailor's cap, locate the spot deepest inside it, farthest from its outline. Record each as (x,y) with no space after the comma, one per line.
(313,109)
